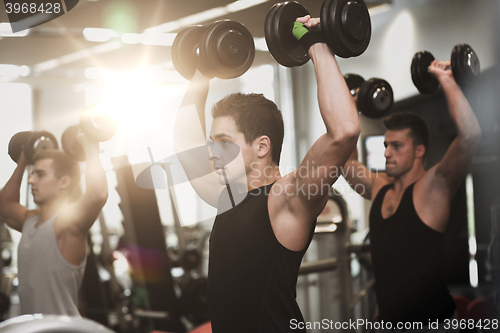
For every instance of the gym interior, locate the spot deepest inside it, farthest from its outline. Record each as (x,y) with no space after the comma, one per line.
(147,253)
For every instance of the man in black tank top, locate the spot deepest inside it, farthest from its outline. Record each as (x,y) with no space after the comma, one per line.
(411,207)
(265,221)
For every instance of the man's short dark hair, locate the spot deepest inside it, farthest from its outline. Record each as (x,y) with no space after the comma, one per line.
(254,116)
(63,165)
(419,129)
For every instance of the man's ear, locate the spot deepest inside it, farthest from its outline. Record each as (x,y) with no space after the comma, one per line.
(263,145)
(420,151)
(64,182)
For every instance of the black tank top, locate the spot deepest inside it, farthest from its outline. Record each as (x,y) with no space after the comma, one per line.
(251,276)
(408,261)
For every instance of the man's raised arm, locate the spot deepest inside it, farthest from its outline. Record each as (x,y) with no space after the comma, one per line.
(190,143)
(458,157)
(80,216)
(439,184)
(323,162)
(11,211)
(361,179)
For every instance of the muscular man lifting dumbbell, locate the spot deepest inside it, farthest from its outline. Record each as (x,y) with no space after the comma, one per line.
(265,221)
(411,207)
(52,250)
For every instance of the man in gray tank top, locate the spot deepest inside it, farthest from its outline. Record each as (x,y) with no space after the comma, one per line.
(51,257)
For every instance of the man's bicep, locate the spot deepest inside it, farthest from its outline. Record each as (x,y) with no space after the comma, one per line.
(453,167)
(78,217)
(14,215)
(324,161)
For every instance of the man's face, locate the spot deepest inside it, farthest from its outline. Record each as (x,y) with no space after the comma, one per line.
(230,153)
(44,184)
(400,152)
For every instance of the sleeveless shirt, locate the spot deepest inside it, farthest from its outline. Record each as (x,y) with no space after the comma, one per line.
(48,283)
(251,277)
(408,262)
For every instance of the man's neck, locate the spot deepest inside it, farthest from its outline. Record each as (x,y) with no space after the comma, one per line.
(405,180)
(263,176)
(50,209)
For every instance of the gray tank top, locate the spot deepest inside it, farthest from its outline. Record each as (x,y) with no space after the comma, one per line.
(48,283)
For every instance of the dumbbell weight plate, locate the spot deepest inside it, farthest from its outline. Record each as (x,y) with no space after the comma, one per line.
(97,125)
(422,79)
(375,98)
(184,50)
(346,26)
(70,144)
(16,144)
(227,49)
(353,81)
(282,45)
(39,141)
(465,64)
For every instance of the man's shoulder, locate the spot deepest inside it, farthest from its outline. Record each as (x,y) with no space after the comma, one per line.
(31,216)
(380,182)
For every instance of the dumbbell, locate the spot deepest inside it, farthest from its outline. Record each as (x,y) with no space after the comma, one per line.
(346,27)
(464,66)
(31,143)
(96,125)
(225,49)
(374,98)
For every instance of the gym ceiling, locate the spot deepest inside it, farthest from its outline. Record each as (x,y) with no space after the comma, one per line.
(57,52)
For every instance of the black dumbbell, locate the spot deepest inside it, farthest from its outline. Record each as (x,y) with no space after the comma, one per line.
(96,125)
(225,49)
(346,27)
(30,142)
(465,67)
(374,98)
